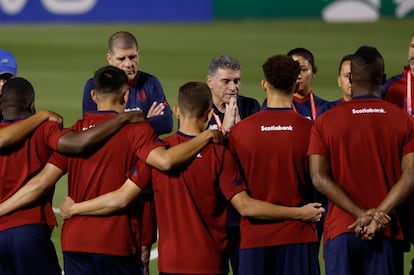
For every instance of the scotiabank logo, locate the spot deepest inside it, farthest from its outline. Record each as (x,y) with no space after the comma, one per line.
(13,7)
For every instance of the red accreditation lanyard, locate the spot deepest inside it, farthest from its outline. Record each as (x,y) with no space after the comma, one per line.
(218,121)
(312,104)
(409,103)
(313,107)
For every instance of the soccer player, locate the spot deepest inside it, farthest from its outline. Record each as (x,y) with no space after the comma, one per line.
(145,90)
(25,242)
(344,73)
(399,88)
(305,102)
(271,148)
(191,207)
(8,69)
(115,247)
(18,131)
(363,161)
(224,81)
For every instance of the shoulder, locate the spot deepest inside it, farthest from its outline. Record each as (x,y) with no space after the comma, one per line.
(248,105)
(142,127)
(320,100)
(244,100)
(145,76)
(89,83)
(48,126)
(145,79)
(396,79)
(251,119)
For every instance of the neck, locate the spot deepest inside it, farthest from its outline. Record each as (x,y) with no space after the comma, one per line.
(191,126)
(11,113)
(220,105)
(278,99)
(106,106)
(347,98)
(302,94)
(365,90)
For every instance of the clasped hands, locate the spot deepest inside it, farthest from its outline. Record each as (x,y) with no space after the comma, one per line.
(231,114)
(370,223)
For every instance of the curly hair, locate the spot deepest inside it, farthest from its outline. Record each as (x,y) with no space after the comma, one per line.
(281,71)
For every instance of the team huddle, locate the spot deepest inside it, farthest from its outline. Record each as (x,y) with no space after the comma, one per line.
(255,187)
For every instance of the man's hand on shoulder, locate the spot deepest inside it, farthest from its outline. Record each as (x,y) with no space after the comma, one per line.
(134,116)
(51,116)
(215,136)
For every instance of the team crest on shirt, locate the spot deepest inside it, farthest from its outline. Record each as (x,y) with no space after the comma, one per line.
(142,95)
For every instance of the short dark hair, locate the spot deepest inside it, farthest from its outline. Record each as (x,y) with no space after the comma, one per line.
(367,65)
(281,71)
(305,53)
(347,57)
(17,92)
(123,40)
(110,80)
(223,62)
(194,99)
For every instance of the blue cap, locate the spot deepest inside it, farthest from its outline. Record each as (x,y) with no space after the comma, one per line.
(8,62)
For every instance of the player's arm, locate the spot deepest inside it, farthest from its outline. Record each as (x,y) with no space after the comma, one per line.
(108,203)
(402,189)
(16,132)
(320,171)
(166,159)
(396,196)
(250,207)
(72,142)
(35,188)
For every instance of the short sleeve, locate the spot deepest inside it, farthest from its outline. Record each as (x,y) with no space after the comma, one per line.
(140,174)
(317,146)
(231,182)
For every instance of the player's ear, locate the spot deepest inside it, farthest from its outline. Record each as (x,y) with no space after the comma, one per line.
(32,108)
(93,95)
(263,84)
(108,58)
(208,81)
(125,95)
(176,110)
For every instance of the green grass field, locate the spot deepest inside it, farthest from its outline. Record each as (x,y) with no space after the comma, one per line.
(58,59)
